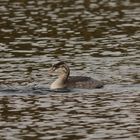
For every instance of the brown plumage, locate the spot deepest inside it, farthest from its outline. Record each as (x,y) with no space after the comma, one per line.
(66,81)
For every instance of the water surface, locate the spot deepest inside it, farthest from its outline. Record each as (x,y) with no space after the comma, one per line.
(99,39)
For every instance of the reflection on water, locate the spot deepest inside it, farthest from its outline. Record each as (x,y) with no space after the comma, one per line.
(70,116)
(97,38)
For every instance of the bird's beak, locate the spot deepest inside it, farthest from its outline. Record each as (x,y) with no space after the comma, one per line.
(51,72)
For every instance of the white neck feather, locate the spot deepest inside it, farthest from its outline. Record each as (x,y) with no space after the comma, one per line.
(59,83)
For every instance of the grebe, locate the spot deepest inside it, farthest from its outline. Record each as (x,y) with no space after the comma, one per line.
(66,81)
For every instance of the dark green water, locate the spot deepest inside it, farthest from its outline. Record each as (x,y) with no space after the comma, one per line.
(100,39)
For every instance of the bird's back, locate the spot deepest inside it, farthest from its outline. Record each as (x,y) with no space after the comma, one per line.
(83,82)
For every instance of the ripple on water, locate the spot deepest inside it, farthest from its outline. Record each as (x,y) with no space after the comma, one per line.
(97,39)
(98,115)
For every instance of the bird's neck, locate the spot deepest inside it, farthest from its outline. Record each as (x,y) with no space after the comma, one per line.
(60,82)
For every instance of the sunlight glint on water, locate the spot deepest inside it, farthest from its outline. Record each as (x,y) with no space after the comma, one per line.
(99,39)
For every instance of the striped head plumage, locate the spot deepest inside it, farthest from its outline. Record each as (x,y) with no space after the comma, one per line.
(60,68)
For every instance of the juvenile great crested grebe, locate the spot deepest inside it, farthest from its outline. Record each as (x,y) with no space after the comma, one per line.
(66,81)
